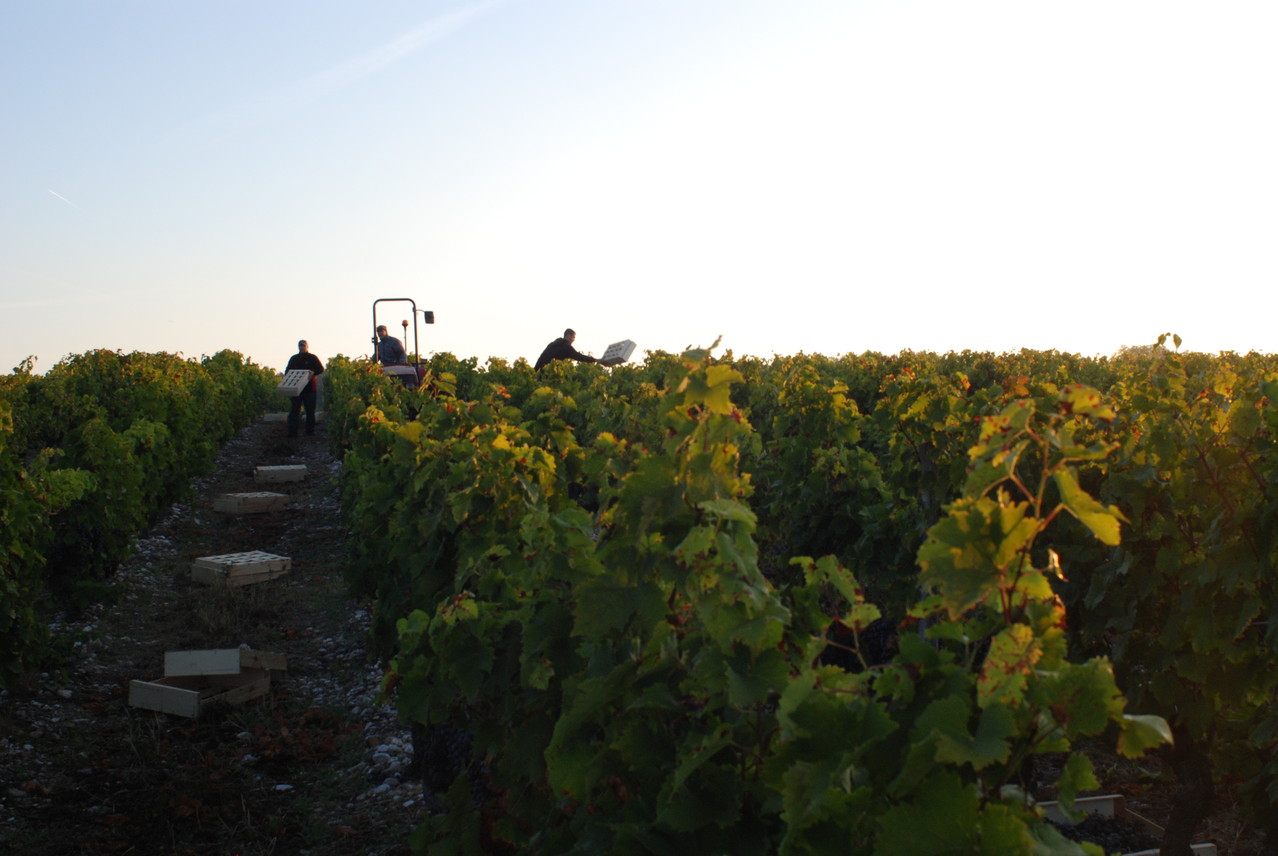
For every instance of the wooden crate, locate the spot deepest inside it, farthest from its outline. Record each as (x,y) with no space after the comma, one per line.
(1108,805)
(294,382)
(195,679)
(1115,805)
(254,502)
(618,352)
(282,416)
(278,474)
(222,661)
(240,569)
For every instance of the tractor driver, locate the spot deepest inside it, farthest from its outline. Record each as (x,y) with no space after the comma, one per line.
(390,351)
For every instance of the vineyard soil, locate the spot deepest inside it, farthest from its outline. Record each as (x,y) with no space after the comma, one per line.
(319,767)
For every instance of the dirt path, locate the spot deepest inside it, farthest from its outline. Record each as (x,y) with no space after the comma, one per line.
(314,768)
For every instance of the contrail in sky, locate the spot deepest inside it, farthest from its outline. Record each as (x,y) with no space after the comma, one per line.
(263,107)
(64,199)
(377,59)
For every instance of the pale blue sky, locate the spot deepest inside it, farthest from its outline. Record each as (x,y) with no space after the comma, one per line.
(791,175)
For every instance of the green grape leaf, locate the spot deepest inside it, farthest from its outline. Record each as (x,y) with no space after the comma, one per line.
(1003,831)
(919,763)
(536,672)
(605,604)
(703,749)
(1141,733)
(966,550)
(572,766)
(947,719)
(861,616)
(828,569)
(1048,841)
(712,798)
(941,820)
(1102,520)
(991,465)
(1076,776)
(1014,419)
(1011,658)
(729,509)
(1244,418)
(1035,585)
(1084,696)
(754,680)
(1085,401)
(813,793)
(66,486)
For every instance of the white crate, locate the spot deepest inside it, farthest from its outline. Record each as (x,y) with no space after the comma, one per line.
(194,679)
(240,569)
(281,473)
(294,382)
(1115,805)
(618,352)
(221,661)
(250,503)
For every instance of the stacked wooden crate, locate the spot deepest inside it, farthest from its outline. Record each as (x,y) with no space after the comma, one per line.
(193,680)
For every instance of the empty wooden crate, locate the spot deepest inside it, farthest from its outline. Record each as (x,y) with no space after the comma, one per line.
(253,502)
(1115,805)
(240,569)
(294,382)
(618,353)
(280,473)
(195,679)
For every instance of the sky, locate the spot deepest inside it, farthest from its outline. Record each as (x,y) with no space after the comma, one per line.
(785,176)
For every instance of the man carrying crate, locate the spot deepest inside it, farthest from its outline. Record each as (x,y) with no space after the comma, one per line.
(562,349)
(304,359)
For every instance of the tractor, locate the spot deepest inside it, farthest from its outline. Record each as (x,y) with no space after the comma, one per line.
(409,371)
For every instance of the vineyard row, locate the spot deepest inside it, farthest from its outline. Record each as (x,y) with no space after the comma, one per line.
(90,453)
(707,604)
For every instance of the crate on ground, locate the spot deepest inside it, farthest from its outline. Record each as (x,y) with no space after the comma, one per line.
(295,380)
(1106,805)
(195,679)
(252,502)
(1115,805)
(282,416)
(618,352)
(240,569)
(279,473)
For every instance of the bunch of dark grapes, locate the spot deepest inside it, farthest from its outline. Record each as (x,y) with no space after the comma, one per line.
(1113,834)
(441,753)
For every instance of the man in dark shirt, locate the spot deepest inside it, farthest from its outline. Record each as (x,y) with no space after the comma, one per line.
(390,351)
(562,349)
(304,359)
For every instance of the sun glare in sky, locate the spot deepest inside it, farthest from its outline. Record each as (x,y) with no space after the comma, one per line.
(817,176)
